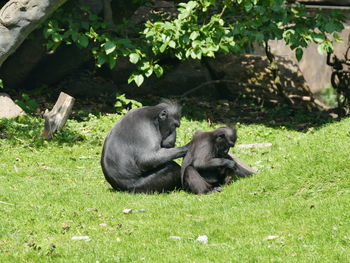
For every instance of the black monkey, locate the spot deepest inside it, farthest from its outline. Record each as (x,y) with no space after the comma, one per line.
(138,152)
(207,164)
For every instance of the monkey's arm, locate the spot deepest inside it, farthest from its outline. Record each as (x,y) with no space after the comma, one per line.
(214,163)
(161,156)
(242,169)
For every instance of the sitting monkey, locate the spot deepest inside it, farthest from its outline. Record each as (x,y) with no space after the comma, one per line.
(207,164)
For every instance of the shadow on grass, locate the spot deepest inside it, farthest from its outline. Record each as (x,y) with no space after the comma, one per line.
(27,131)
(298,117)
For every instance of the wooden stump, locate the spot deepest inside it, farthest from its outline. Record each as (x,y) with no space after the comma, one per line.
(57,117)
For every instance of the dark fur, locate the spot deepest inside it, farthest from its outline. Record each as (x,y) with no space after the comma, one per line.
(138,152)
(207,164)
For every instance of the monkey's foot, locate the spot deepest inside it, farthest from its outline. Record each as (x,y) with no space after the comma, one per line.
(217,189)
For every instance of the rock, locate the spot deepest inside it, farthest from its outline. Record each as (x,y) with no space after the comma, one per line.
(9,109)
(85,238)
(175,237)
(202,239)
(270,237)
(19,18)
(127,211)
(17,68)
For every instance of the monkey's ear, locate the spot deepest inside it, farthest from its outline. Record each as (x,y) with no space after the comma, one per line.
(163,115)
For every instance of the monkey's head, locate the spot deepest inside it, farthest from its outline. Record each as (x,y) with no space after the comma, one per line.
(168,120)
(225,138)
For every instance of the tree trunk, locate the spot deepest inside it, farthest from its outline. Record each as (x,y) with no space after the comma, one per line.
(18,18)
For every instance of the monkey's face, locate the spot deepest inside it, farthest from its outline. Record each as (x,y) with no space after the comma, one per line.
(168,122)
(225,139)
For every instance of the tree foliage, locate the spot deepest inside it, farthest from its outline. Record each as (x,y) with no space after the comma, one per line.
(202,28)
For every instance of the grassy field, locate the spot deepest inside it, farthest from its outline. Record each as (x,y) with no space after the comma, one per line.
(295,209)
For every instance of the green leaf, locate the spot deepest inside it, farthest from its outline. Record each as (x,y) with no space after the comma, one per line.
(191,5)
(318,38)
(75,36)
(139,79)
(48,32)
(92,33)
(83,41)
(248,6)
(331,27)
(182,16)
(101,59)
(299,53)
(325,47)
(145,66)
(131,78)
(1,84)
(337,38)
(188,52)
(224,48)
(179,55)
(194,35)
(111,61)
(158,70)
(149,72)
(163,47)
(288,33)
(196,43)
(320,49)
(193,54)
(259,36)
(109,47)
(56,37)
(172,44)
(134,58)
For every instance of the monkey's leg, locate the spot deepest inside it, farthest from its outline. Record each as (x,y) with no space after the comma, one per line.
(167,178)
(194,182)
(242,169)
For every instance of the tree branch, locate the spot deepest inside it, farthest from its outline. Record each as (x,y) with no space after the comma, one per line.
(218,81)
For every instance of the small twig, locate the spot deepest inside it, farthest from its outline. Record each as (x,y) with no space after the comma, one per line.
(222,11)
(275,74)
(206,84)
(5,203)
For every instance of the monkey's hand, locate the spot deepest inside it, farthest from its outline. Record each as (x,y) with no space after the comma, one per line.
(230,164)
(184,150)
(186,147)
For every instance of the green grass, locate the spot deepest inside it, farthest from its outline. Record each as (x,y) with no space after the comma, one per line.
(55,190)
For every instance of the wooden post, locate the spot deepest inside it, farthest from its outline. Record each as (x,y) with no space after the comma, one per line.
(57,117)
